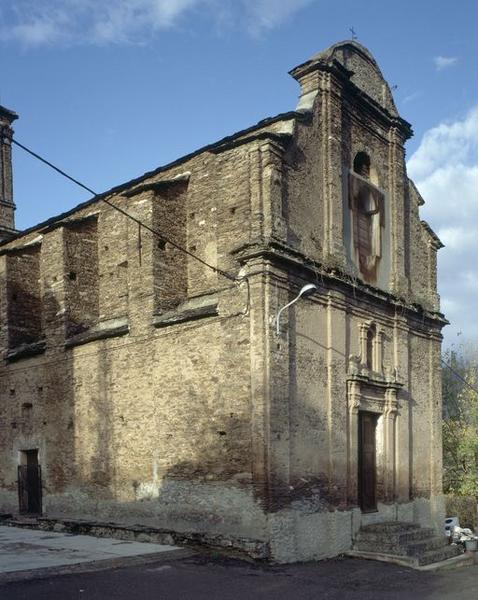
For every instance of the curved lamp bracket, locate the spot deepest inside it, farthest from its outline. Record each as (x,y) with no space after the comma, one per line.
(307,290)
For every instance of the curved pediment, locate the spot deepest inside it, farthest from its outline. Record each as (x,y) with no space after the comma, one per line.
(363,69)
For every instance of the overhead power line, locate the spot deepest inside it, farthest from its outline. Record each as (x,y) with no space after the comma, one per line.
(458,376)
(168,240)
(155,232)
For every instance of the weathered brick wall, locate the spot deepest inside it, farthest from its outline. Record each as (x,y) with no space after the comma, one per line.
(154,425)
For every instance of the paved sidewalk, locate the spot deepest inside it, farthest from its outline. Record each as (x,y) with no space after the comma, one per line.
(27,549)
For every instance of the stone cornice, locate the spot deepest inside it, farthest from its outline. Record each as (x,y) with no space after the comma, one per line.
(159,186)
(281,254)
(7,114)
(434,239)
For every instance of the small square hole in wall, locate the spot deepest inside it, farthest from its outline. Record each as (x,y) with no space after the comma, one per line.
(27,409)
(192,248)
(72,276)
(233,210)
(162,245)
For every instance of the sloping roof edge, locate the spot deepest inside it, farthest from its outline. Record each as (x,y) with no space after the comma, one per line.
(135,181)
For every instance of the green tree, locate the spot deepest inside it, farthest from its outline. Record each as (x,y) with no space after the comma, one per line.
(460,421)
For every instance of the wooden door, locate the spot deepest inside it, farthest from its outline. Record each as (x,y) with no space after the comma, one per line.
(367,476)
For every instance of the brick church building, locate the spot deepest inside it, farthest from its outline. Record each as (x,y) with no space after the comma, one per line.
(140,385)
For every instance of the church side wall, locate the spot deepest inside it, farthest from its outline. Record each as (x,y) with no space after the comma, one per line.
(145,415)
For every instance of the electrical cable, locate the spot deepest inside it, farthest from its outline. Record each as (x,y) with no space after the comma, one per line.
(458,376)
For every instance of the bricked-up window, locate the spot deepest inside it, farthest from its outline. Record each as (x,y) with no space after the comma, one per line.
(364,222)
(81,275)
(366,204)
(24,299)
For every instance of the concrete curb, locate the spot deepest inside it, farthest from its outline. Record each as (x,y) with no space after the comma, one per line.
(256,549)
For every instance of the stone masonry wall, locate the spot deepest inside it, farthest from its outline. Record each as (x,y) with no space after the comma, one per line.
(81,276)
(139,421)
(23,293)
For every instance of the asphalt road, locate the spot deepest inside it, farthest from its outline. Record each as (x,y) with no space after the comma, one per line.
(209,577)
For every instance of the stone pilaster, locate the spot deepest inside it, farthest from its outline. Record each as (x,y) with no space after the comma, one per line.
(260,332)
(435,404)
(331,147)
(353,407)
(266,189)
(404,420)
(337,388)
(397,178)
(389,417)
(272,176)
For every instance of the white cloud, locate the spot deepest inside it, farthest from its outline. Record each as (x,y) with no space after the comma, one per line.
(268,14)
(445,169)
(444,62)
(412,97)
(38,22)
(448,144)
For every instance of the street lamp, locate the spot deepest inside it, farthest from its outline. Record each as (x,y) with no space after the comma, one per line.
(307,290)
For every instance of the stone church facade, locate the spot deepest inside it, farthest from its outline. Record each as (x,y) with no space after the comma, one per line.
(145,387)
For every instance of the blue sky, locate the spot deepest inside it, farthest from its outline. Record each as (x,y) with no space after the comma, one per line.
(109,89)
